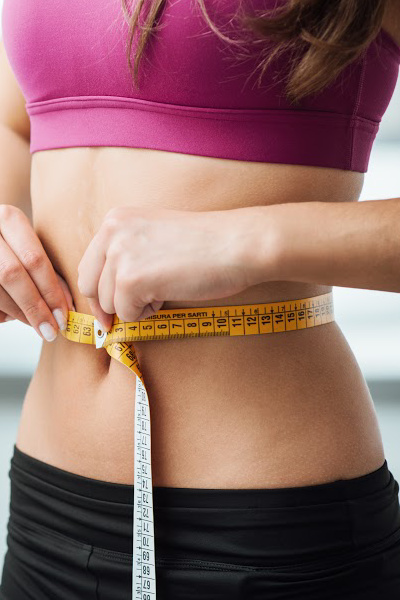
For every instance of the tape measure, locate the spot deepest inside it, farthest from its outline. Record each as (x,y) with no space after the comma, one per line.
(244,319)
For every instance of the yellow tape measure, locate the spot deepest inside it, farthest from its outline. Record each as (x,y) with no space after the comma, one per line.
(244,319)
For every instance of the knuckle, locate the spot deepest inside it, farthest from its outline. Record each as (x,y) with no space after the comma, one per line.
(115,211)
(9,210)
(112,219)
(10,272)
(52,296)
(110,225)
(116,248)
(32,260)
(33,310)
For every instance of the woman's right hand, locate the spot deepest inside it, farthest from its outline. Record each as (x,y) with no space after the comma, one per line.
(30,288)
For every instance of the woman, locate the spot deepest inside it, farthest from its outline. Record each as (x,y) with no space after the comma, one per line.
(193,188)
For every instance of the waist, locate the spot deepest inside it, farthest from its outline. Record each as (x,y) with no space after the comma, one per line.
(232,401)
(80,403)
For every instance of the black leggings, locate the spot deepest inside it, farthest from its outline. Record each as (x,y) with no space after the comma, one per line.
(70,538)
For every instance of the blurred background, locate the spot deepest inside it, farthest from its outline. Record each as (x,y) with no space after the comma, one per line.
(369,319)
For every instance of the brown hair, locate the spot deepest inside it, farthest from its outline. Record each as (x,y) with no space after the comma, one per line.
(329,34)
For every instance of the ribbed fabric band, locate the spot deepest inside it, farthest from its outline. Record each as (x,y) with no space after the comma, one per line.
(278,136)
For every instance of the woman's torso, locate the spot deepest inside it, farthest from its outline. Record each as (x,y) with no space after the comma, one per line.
(289,409)
(307,414)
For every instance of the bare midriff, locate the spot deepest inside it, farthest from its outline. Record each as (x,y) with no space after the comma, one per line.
(262,411)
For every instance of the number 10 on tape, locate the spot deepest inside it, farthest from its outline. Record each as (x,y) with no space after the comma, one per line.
(144,572)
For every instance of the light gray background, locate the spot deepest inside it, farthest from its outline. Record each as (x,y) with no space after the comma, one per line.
(369,319)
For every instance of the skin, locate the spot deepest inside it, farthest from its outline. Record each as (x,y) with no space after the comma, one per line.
(264,411)
(141,258)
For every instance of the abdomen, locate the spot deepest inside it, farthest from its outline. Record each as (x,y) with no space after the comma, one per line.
(262,411)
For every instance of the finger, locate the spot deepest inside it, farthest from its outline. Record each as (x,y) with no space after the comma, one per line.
(9,307)
(5,317)
(27,274)
(133,297)
(91,266)
(106,288)
(15,280)
(129,307)
(150,310)
(105,319)
(67,292)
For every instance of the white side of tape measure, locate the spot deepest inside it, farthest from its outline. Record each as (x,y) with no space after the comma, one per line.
(143,550)
(144,572)
(99,334)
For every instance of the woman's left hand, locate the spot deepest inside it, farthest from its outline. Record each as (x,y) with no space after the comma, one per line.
(140,258)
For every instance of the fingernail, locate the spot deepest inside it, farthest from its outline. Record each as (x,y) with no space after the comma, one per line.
(47,331)
(60,318)
(73,308)
(8,318)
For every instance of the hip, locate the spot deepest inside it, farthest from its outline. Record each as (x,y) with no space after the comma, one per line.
(70,536)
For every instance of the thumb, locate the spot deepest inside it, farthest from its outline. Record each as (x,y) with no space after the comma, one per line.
(105,319)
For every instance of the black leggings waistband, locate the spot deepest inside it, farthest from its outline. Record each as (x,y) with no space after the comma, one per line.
(342,489)
(253,526)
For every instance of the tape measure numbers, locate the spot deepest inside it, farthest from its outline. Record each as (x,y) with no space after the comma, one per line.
(230,320)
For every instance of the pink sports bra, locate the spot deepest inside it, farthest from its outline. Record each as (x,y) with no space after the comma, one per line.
(70,61)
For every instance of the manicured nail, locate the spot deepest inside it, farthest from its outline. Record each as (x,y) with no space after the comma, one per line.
(47,331)
(60,318)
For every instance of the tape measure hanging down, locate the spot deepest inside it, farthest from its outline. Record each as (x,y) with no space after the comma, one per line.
(230,320)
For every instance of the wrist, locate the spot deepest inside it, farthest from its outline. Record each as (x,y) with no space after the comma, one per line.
(260,245)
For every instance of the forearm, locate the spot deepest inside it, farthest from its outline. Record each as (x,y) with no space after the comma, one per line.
(15,164)
(348,244)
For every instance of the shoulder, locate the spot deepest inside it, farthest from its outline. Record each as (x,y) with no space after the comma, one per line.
(391,20)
